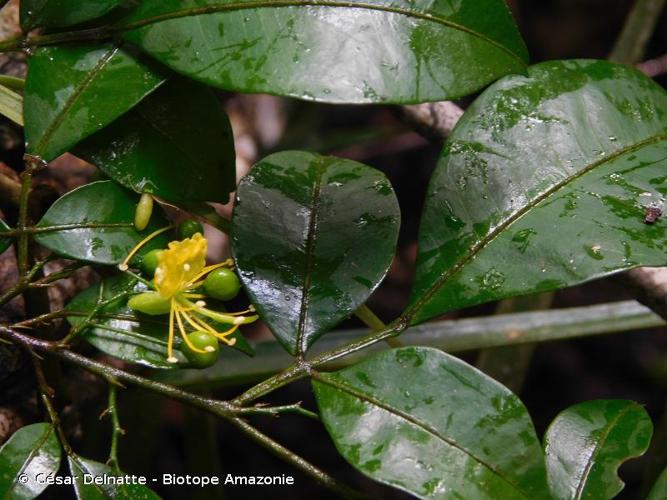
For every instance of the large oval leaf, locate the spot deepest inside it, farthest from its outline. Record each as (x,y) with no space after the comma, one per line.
(4,242)
(587,443)
(543,184)
(32,450)
(74,90)
(85,471)
(119,331)
(312,236)
(177,144)
(428,423)
(357,52)
(94,223)
(61,13)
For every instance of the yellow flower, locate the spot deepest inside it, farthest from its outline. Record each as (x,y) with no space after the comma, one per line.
(181,265)
(181,269)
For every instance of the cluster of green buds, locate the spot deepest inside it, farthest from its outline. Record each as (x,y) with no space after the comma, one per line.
(180,283)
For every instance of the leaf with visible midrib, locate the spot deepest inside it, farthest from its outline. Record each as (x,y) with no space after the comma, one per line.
(73,91)
(312,237)
(544,184)
(428,423)
(332,51)
(95,223)
(32,450)
(586,444)
(176,144)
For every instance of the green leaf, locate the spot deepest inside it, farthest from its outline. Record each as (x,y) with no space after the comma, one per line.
(586,444)
(176,144)
(430,424)
(122,333)
(73,91)
(11,105)
(82,467)
(544,184)
(32,450)
(94,223)
(61,13)
(4,242)
(376,51)
(659,491)
(312,236)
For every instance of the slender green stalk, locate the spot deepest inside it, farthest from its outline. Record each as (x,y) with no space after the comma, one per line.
(370,319)
(637,31)
(116,429)
(451,336)
(101,304)
(47,393)
(23,237)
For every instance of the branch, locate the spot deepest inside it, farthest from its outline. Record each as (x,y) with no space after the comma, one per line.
(654,67)
(218,408)
(637,31)
(451,336)
(434,120)
(649,286)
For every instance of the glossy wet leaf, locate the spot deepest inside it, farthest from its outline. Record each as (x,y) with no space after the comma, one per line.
(73,91)
(4,242)
(94,223)
(587,443)
(376,51)
(32,450)
(430,424)
(312,237)
(125,334)
(61,13)
(659,490)
(81,467)
(177,144)
(545,183)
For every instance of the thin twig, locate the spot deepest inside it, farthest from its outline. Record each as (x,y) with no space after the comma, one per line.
(116,429)
(637,31)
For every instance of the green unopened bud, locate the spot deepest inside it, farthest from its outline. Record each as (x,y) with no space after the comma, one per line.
(149,303)
(188,228)
(202,341)
(142,215)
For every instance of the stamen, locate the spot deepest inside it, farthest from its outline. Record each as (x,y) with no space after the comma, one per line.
(250,309)
(170,342)
(184,334)
(194,295)
(221,318)
(223,336)
(123,266)
(208,269)
(200,303)
(198,324)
